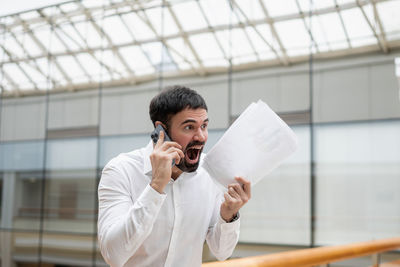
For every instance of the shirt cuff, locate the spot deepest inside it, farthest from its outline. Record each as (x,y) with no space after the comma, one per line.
(230,225)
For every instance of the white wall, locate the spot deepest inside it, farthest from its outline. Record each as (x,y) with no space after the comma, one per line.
(22,119)
(283,92)
(73,110)
(125,111)
(359,92)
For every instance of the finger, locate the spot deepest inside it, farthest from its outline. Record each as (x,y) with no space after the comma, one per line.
(169,144)
(228,198)
(180,153)
(232,191)
(160,140)
(176,157)
(173,154)
(246,185)
(239,191)
(242,196)
(176,150)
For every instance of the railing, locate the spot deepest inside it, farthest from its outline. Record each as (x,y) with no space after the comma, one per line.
(314,256)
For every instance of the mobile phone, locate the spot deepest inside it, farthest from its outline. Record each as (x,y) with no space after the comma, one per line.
(156,134)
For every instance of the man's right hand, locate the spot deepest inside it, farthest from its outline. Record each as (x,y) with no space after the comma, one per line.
(161,162)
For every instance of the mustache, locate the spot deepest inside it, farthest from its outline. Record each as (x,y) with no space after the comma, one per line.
(195,143)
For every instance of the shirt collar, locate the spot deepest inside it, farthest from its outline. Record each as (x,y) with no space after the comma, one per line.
(147,164)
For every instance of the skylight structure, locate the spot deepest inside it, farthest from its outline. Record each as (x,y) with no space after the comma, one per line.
(81,44)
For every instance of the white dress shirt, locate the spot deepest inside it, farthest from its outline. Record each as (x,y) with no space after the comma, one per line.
(138,226)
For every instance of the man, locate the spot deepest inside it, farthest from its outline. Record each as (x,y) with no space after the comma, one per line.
(156,213)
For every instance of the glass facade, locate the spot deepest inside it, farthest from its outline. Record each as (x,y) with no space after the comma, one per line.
(279,211)
(49,205)
(49,215)
(340,186)
(358,171)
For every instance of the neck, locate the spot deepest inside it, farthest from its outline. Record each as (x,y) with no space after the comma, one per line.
(176,172)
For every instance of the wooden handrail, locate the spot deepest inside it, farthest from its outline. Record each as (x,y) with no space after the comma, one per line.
(312,256)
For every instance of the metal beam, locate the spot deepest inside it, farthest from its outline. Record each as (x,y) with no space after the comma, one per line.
(285,58)
(30,61)
(343,25)
(152,29)
(10,80)
(186,40)
(134,39)
(307,28)
(146,20)
(101,32)
(145,54)
(45,51)
(56,21)
(212,30)
(216,70)
(377,37)
(20,68)
(243,27)
(88,50)
(65,45)
(83,39)
(99,48)
(205,30)
(382,35)
(116,6)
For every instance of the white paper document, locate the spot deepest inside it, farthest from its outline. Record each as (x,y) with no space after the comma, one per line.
(255,144)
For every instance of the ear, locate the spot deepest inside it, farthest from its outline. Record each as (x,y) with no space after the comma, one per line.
(160,123)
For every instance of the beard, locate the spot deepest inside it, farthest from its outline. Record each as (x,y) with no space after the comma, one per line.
(186,166)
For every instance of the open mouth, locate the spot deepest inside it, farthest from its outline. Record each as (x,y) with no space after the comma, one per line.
(192,154)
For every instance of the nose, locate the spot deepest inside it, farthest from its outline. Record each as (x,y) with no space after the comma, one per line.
(200,135)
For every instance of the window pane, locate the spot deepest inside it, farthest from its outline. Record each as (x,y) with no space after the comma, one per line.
(358,168)
(279,211)
(333,31)
(70,201)
(357,28)
(27,188)
(278,8)
(388,13)
(207,48)
(294,35)
(111,146)
(71,154)
(21,155)
(218,12)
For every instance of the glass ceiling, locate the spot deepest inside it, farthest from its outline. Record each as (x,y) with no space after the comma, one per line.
(80,44)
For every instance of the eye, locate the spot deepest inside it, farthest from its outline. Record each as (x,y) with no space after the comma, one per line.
(188,127)
(204,126)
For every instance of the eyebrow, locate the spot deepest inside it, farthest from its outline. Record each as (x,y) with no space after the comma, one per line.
(193,121)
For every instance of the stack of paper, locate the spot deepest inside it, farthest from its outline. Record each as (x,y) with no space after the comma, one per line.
(255,144)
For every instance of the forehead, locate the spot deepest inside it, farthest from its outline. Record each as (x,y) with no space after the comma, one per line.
(198,115)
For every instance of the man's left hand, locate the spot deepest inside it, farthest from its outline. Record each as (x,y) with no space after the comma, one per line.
(238,194)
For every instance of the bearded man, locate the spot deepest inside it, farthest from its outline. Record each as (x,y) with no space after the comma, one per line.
(157,205)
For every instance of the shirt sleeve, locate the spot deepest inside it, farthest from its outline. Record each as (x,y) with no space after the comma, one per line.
(222,237)
(124,223)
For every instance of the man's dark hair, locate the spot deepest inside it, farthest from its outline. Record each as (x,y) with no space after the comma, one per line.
(172,100)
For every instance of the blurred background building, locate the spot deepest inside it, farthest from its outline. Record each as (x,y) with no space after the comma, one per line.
(76,79)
